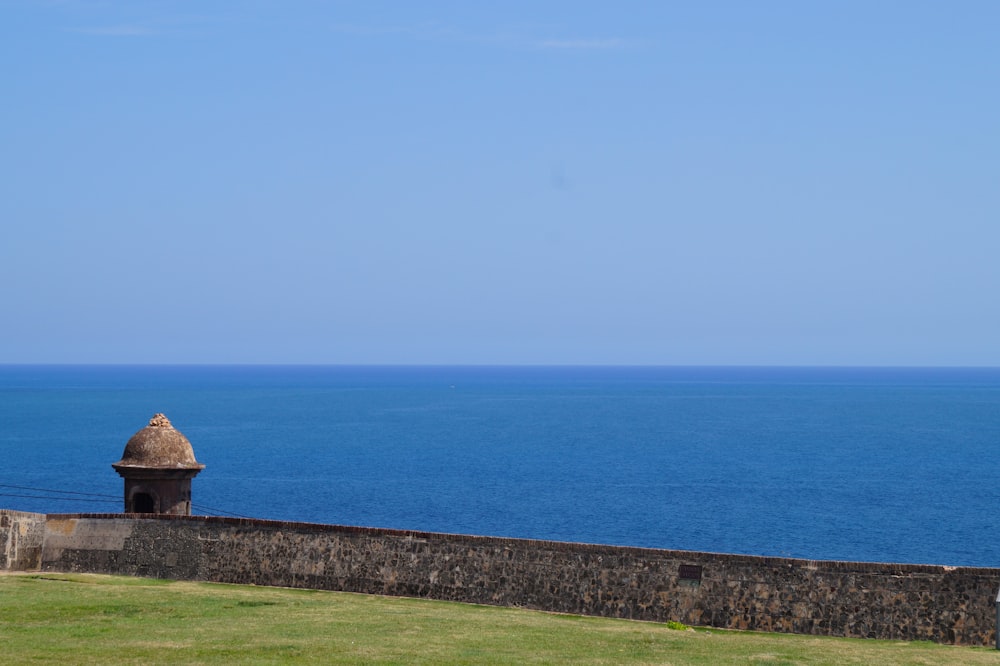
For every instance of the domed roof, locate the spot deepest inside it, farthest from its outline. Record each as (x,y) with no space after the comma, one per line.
(159,445)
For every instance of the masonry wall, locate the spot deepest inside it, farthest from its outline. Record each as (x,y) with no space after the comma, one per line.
(21,536)
(891,601)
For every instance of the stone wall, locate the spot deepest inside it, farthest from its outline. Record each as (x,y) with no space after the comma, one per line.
(21,536)
(891,601)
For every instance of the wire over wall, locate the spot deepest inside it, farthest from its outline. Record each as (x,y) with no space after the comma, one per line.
(50,494)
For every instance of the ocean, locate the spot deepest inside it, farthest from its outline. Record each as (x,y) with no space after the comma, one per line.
(869,464)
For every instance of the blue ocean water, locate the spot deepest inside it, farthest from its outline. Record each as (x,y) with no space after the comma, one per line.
(890,465)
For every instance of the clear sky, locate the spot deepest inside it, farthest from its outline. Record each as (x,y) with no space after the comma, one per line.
(764,183)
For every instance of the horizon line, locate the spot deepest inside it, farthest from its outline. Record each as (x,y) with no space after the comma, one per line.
(234,364)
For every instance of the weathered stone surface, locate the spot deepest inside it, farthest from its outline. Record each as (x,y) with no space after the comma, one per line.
(21,537)
(892,601)
(158,464)
(159,444)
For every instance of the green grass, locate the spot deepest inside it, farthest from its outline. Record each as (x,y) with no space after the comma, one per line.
(75,619)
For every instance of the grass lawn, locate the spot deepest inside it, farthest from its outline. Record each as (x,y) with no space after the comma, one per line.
(77,618)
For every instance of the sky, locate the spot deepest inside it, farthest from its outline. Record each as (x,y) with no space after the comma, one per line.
(371,182)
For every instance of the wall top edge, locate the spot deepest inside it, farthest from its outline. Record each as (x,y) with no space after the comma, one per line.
(25,514)
(511,542)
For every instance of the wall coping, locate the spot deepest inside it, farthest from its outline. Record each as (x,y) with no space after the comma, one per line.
(561,546)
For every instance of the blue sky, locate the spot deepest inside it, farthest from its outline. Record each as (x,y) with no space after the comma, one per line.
(762,183)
